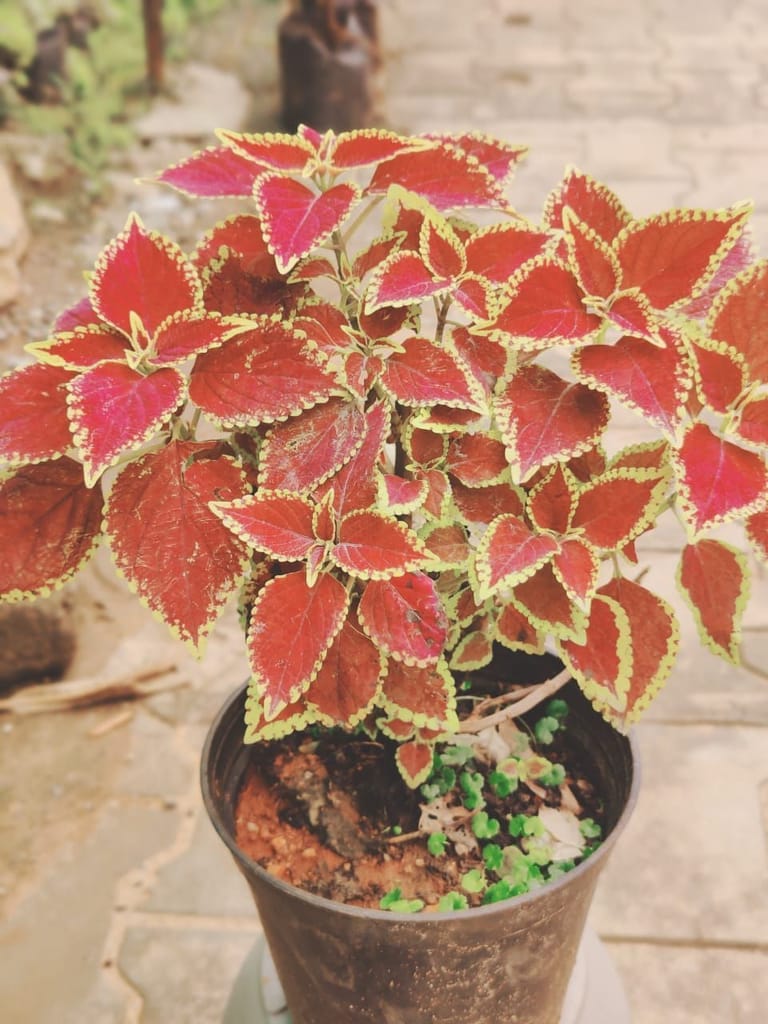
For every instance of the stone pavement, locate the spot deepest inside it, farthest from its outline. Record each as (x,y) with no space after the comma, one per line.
(120,906)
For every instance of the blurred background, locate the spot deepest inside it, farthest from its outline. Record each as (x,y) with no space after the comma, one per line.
(118,904)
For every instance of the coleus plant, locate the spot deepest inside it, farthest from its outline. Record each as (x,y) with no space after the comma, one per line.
(375,403)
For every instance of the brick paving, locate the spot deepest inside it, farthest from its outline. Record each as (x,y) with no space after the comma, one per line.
(120,904)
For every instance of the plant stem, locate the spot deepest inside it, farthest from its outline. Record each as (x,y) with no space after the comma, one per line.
(539,693)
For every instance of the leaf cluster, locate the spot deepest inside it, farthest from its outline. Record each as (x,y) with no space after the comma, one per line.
(375,405)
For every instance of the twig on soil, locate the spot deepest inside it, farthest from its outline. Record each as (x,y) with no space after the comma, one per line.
(405,837)
(71,694)
(476,723)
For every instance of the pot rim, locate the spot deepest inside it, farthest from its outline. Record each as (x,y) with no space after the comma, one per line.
(394,917)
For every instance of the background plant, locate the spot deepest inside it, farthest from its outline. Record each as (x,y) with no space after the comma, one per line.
(82,81)
(385,425)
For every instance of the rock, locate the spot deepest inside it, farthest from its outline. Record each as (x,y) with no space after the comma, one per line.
(37,641)
(14,237)
(41,159)
(205,99)
(10,279)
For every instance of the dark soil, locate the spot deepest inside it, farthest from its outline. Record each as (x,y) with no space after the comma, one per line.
(324,815)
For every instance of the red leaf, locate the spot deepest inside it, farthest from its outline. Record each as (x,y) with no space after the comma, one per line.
(449,545)
(718,480)
(402,495)
(446,419)
(648,455)
(425,374)
(216,171)
(739,317)
(546,419)
(672,256)
(438,492)
(275,522)
(616,508)
(543,599)
(51,523)
(373,546)
(497,251)
(483,505)
(229,289)
(404,617)
(632,313)
(654,637)
(477,460)
(740,257)
(602,664)
(293,718)
(499,158)
(757,532)
(33,414)
(425,447)
(81,348)
(295,219)
(292,628)
(474,295)
(593,203)
(312,268)
(159,520)
(282,152)
(517,632)
(441,250)
(420,695)
(82,314)
(714,581)
(188,335)
(590,257)
(260,376)
(401,280)
(301,453)
(511,552)
(141,274)
(242,235)
(354,486)
(475,649)
(374,255)
(545,308)
(753,422)
(326,326)
(576,565)
(721,375)
(446,177)
(486,359)
(348,680)
(114,408)
(365,146)
(654,381)
(414,762)
(551,502)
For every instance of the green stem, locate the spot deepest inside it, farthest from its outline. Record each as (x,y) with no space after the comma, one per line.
(360,219)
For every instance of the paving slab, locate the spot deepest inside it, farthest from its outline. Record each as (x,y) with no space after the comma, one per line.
(52,937)
(676,985)
(202,879)
(691,866)
(197,966)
